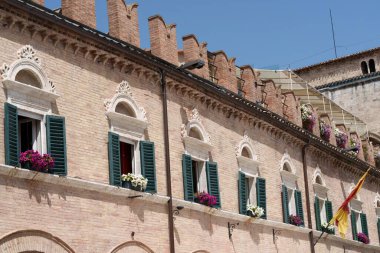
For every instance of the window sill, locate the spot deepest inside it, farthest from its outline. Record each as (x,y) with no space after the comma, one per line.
(125,124)
(350,242)
(28,90)
(320,190)
(248,165)
(289,179)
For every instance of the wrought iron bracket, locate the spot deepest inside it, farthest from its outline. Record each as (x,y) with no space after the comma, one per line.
(275,233)
(231,227)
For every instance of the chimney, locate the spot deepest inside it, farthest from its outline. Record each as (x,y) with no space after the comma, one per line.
(163,39)
(40,2)
(82,11)
(249,78)
(291,108)
(271,97)
(192,50)
(123,21)
(226,71)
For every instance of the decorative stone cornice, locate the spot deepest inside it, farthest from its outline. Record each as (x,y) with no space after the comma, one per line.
(27,52)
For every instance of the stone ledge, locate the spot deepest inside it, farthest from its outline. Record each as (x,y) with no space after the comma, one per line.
(336,238)
(19,173)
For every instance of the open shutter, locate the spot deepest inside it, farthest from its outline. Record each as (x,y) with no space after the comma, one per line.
(329,211)
(353,226)
(12,150)
(363,219)
(261,195)
(378,228)
(114,158)
(299,208)
(187,174)
(317,214)
(285,206)
(213,181)
(56,143)
(242,194)
(148,164)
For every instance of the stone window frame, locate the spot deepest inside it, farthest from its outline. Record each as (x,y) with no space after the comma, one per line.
(32,102)
(289,179)
(320,191)
(250,166)
(130,129)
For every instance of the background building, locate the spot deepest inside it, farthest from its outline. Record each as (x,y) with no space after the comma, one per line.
(101,106)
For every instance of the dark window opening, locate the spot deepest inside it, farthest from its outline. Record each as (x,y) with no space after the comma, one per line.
(372,67)
(126,156)
(29,131)
(194,167)
(364,67)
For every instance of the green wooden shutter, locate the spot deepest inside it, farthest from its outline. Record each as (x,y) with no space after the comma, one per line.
(12,150)
(261,195)
(353,226)
(363,219)
(148,164)
(378,228)
(187,174)
(242,194)
(317,214)
(329,211)
(285,206)
(56,143)
(299,208)
(114,158)
(213,181)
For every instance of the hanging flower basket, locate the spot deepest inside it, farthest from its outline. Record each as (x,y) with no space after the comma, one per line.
(33,160)
(255,211)
(325,130)
(134,182)
(308,118)
(341,138)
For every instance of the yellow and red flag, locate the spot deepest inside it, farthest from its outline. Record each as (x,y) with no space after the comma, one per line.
(341,216)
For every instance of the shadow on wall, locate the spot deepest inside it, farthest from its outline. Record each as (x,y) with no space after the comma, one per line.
(33,241)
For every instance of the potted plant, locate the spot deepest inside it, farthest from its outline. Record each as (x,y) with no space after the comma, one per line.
(206,199)
(255,211)
(33,160)
(134,182)
(308,118)
(295,220)
(325,130)
(327,228)
(341,138)
(363,238)
(354,145)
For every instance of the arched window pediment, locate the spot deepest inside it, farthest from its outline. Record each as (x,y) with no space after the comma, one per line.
(319,184)
(247,156)
(132,246)
(195,137)
(288,171)
(356,203)
(124,114)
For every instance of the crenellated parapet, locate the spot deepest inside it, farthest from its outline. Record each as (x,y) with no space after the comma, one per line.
(271,97)
(249,77)
(193,50)
(291,107)
(226,71)
(80,10)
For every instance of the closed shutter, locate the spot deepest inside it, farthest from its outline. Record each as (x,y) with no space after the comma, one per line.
(353,226)
(317,214)
(363,219)
(242,194)
(285,206)
(114,158)
(299,208)
(56,143)
(148,165)
(378,228)
(187,174)
(261,195)
(12,150)
(329,211)
(213,181)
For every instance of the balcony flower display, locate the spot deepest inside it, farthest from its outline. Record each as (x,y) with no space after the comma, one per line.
(206,199)
(295,220)
(325,130)
(308,119)
(327,228)
(255,211)
(134,182)
(341,138)
(355,145)
(33,160)
(363,238)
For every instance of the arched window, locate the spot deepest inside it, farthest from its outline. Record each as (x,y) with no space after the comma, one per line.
(287,167)
(246,153)
(124,108)
(318,180)
(358,217)
(372,67)
(195,133)
(364,67)
(28,77)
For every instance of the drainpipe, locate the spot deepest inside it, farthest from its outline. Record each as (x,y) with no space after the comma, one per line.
(307,194)
(167,160)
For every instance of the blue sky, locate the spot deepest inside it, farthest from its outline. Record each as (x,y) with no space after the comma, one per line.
(264,33)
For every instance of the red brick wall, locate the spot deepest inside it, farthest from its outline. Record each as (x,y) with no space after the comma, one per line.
(80,10)
(291,108)
(192,50)
(226,71)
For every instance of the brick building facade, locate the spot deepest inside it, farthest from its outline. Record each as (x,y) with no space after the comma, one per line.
(94,101)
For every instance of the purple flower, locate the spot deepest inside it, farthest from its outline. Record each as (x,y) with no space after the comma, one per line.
(206,199)
(363,238)
(295,220)
(325,130)
(32,159)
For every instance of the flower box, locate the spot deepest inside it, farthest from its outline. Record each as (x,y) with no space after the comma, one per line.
(129,185)
(329,229)
(205,199)
(134,182)
(33,160)
(363,238)
(296,220)
(255,211)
